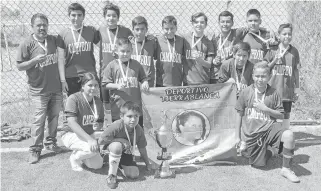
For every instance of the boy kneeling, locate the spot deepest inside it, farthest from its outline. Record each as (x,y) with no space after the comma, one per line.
(121,137)
(259,106)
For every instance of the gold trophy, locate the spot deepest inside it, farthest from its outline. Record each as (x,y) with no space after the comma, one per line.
(164,139)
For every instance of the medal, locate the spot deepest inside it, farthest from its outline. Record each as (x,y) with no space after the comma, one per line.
(44,47)
(76,43)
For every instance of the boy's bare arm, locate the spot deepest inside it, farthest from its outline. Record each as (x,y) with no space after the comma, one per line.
(143,154)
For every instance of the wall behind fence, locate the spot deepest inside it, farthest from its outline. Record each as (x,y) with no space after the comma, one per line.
(15,26)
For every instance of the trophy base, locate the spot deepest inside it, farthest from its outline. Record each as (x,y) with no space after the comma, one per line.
(164,175)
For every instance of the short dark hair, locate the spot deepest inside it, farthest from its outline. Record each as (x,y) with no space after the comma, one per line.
(139,20)
(123,41)
(183,117)
(76,7)
(262,65)
(242,46)
(169,20)
(198,14)
(111,6)
(130,106)
(253,12)
(226,14)
(86,77)
(283,26)
(38,15)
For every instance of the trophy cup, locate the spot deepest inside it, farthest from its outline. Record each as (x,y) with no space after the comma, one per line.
(164,139)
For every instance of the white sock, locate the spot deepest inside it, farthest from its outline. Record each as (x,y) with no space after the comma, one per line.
(286,123)
(113,163)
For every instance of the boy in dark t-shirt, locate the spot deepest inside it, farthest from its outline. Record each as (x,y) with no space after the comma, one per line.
(121,138)
(284,60)
(123,77)
(258,106)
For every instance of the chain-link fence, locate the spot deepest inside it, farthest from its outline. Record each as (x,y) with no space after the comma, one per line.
(15,23)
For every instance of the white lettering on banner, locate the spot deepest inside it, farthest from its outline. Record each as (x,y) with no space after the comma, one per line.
(282,70)
(256,54)
(88,120)
(170,57)
(107,47)
(83,47)
(142,59)
(190,53)
(131,81)
(253,113)
(50,59)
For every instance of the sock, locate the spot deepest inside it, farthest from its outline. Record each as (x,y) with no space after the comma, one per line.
(287,157)
(286,123)
(113,163)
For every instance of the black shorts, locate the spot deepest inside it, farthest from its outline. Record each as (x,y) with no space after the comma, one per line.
(213,81)
(74,85)
(127,160)
(257,147)
(287,105)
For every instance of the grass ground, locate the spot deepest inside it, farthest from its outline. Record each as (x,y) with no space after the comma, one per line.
(53,172)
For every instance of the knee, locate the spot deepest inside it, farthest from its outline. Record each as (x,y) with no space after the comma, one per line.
(288,136)
(133,173)
(116,148)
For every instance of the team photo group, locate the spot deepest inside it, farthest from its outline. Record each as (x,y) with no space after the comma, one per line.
(261,63)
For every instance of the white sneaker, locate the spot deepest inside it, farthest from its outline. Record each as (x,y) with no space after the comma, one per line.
(289,174)
(76,165)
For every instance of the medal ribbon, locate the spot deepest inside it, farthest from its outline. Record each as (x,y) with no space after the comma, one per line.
(74,37)
(40,44)
(263,96)
(283,51)
(221,44)
(141,49)
(169,49)
(95,108)
(122,70)
(132,146)
(238,82)
(195,43)
(109,37)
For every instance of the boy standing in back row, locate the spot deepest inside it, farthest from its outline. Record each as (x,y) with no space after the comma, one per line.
(284,60)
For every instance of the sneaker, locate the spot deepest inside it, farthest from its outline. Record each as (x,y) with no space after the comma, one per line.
(76,165)
(54,147)
(34,157)
(112,181)
(289,174)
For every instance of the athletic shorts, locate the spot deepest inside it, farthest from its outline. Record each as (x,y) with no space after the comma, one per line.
(257,147)
(127,160)
(287,105)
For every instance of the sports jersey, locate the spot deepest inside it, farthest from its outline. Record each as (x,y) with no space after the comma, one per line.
(44,76)
(227,71)
(113,74)
(145,56)
(223,48)
(77,106)
(255,121)
(117,130)
(170,61)
(107,45)
(195,73)
(283,78)
(258,47)
(79,59)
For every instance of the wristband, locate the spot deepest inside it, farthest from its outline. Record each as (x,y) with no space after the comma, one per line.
(62,81)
